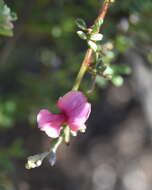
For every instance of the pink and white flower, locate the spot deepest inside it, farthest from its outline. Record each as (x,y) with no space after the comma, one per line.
(75,110)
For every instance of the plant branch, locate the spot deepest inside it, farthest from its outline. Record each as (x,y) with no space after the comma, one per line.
(86,62)
(89,54)
(104,9)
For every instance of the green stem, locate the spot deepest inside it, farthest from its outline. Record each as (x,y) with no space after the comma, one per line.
(83,69)
(79,77)
(56,143)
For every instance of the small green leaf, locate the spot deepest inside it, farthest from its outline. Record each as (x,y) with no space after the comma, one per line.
(92,45)
(6,18)
(82,35)
(96,26)
(100,81)
(117,80)
(96,37)
(108,71)
(81,24)
(13,16)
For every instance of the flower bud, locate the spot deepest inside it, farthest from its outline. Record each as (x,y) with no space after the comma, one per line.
(35,161)
(52,159)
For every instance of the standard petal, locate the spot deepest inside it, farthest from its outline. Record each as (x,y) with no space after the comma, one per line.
(50,123)
(71,100)
(78,116)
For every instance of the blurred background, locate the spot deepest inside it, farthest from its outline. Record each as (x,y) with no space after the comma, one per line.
(39,64)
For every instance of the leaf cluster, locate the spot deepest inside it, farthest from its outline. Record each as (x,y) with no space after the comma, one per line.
(6,19)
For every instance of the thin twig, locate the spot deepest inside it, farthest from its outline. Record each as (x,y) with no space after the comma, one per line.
(104,9)
(89,54)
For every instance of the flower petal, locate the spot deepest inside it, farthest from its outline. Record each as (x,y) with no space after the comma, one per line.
(78,116)
(52,132)
(75,127)
(71,101)
(50,123)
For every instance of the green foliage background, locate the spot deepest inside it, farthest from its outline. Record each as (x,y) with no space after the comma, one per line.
(40,62)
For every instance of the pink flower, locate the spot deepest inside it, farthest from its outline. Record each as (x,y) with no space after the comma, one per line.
(75,110)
